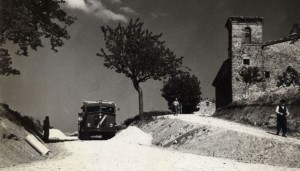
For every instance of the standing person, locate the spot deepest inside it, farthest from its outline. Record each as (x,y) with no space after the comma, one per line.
(176,106)
(282,113)
(46,128)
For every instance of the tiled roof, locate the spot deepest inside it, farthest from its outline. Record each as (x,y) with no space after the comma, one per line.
(285,39)
(242,19)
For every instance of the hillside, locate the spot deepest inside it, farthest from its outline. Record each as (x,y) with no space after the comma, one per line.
(263,116)
(13,130)
(220,138)
(259,110)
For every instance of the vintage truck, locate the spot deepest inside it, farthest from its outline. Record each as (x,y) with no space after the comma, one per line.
(97,120)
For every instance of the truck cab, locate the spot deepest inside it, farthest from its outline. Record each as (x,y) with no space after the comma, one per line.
(97,119)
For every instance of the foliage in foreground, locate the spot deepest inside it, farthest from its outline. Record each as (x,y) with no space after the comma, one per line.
(25,23)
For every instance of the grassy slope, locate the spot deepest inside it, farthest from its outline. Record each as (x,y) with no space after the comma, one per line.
(15,151)
(261,111)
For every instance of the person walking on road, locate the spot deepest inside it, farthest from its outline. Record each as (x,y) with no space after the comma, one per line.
(46,128)
(176,106)
(282,113)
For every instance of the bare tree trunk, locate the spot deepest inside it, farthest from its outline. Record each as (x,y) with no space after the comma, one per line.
(141,103)
(248,92)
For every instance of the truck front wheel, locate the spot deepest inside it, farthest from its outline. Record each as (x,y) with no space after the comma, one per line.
(106,136)
(83,135)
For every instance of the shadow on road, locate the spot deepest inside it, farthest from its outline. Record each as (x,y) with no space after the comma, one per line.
(271,133)
(58,141)
(96,139)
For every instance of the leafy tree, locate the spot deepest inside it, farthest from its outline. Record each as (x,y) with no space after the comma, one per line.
(186,88)
(251,75)
(5,64)
(25,23)
(289,77)
(139,54)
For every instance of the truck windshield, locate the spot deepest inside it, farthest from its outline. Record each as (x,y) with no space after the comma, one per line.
(91,109)
(107,109)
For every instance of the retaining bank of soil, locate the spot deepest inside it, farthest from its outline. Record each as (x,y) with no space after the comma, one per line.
(13,147)
(220,138)
(263,116)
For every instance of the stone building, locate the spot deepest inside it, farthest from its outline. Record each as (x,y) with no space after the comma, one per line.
(246,48)
(206,107)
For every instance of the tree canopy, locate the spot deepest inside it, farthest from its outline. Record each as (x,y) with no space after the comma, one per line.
(139,54)
(251,75)
(26,22)
(290,77)
(186,88)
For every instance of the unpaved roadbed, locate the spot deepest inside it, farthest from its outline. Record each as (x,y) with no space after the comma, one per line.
(220,138)
(124,153)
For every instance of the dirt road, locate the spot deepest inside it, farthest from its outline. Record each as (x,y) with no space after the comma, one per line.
(132,150)
(229,125)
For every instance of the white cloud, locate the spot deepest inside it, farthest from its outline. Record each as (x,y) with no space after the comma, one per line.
(109,14)
(96,8)
(158,14)
(116,1)
(128,10)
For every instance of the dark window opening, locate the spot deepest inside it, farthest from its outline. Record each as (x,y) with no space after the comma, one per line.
(106,109)
(267,74)
(246,61)
(91,109)
(247,33)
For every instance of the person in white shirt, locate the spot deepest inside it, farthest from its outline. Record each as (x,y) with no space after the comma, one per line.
(176,106)
(282,112)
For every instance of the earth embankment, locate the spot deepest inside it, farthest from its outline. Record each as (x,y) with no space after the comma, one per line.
(220,138)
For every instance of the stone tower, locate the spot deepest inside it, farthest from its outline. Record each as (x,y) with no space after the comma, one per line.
(244,48)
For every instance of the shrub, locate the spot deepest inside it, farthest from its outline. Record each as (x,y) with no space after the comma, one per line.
(31,125)
(289,77)
(186,88)
(130,120)
(147,116)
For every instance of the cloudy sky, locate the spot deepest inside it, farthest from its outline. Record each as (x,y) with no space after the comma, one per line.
(55,84)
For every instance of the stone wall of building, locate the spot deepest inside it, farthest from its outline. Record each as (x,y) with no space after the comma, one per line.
(223,85)
(253,53)
(272,58)
(238,33)
(278,57)
(240,51)
(224,92)
(206,108)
